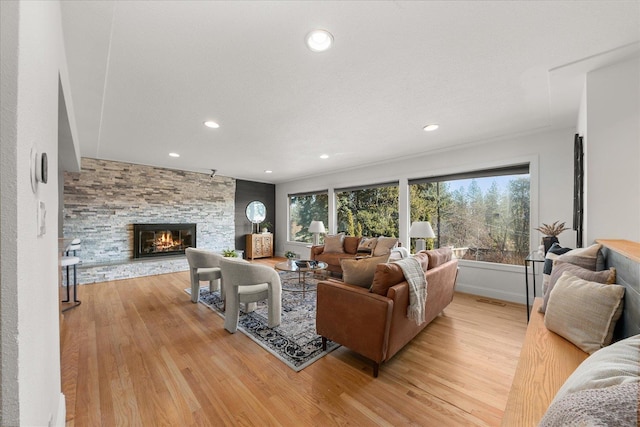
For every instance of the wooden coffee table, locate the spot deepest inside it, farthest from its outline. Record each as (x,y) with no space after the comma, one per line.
(302,270)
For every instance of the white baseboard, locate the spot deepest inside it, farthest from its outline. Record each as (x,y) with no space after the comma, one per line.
(59,419)
(516,297)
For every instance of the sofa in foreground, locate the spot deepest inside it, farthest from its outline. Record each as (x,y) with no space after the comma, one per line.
(372,321)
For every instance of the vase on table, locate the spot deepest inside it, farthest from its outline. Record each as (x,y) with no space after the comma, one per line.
(548,241)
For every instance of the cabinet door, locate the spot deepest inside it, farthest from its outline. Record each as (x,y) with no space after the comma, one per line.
(268,245)
(258,249)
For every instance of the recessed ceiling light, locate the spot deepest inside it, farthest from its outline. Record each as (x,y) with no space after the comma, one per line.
(324,156)
(211,124)
(432,126)
(268,171)
(319,40)
(174,154)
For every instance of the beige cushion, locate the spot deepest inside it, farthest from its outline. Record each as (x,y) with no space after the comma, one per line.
(584,257)
(360,272)
(384,245)
(584,312)
(333,243)
(606,276)
(367,244)
(616,364)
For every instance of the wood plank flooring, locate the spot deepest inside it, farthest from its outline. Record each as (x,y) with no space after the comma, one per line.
(138,352)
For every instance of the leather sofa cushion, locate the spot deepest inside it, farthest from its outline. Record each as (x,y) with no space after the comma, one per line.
(351,244)
(439,256)
(388,275)
(385,276)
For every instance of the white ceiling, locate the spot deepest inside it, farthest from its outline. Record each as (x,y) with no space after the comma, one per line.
(144,76)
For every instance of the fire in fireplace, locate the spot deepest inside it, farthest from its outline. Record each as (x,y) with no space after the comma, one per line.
(152,240)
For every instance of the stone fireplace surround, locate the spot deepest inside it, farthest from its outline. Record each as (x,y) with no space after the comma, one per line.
(105,199)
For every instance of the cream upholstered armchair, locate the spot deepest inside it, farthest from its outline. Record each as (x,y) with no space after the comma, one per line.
(248,283)
(204,266)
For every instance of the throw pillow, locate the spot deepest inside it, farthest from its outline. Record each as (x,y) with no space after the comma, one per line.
(438,256)
(333,243)
(386,276)
(360,272)
(584,312)
(606,276)
(616,364)
(552,254)
(384,245)
(584,257)
(367,244)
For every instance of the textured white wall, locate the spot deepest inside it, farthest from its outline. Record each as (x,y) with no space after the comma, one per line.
(613,152)
(29,261)
(551,157)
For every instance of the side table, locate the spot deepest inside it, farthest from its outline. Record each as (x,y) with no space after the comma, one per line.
(532,258)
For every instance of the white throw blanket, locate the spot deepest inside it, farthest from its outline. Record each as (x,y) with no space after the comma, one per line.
(417,288)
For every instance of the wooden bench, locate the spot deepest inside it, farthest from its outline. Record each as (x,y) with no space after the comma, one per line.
(546,361)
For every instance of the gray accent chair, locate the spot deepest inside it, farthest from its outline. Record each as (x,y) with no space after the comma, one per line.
(248,283)
(204,266)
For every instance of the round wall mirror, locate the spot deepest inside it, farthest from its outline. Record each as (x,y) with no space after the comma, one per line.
(256,212)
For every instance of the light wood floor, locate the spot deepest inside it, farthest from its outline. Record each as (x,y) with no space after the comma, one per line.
(138,352)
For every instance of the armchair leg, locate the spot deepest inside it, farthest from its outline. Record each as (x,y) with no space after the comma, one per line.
(376,368)
(324,344)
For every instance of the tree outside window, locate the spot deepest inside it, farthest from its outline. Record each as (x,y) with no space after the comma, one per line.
(489,215)
(304,208)
(370,211)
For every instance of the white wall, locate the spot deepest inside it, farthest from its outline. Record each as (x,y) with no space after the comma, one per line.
(550,155)
(30,317)
(612,147)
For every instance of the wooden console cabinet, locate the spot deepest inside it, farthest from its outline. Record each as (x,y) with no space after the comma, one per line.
(259,245)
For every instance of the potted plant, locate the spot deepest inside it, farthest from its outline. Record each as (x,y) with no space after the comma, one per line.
(551,232)
(229,253)
(265,226)
(289,255)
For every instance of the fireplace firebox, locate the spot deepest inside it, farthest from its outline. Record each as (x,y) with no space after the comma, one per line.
(153,240)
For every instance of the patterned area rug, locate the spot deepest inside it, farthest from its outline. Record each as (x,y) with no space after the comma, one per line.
(295,341)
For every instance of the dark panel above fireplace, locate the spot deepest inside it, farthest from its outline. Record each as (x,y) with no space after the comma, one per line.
(154,240)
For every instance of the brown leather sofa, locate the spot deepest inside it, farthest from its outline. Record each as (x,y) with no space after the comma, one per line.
(376,325)
(350,246)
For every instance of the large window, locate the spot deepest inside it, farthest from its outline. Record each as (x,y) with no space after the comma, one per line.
(368,211)
(304,208)
(486,212)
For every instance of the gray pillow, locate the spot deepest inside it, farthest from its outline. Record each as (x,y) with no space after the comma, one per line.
(611,406)
(584,312)
(606,276)
(584,257)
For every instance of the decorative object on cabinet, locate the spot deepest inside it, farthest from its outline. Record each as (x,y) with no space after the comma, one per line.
(259,245)
(256,212)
